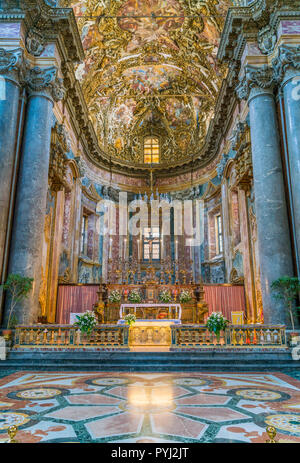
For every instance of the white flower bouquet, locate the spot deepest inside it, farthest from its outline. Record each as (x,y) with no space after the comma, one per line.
(135,296)
(115,296)
(86,322)
(165,296)
(130,319)
(185,296)
(216,323)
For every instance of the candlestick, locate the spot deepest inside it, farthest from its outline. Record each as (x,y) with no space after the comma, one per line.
(138,246)
(176,250)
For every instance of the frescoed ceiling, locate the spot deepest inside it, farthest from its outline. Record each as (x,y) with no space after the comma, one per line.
(150,69)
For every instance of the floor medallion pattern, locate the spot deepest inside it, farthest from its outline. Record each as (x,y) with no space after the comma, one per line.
(149,407)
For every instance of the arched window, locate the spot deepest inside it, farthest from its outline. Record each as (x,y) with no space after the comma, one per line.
(151,150)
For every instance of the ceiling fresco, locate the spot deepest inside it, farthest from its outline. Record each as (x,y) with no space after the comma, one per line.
(150,69)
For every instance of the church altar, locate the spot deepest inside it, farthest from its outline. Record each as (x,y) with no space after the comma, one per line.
(147,311)
(146,333)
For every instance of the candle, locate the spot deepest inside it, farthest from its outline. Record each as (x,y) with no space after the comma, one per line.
(162,247)
(125,248)
(176,249)
(138,247)
(110,248)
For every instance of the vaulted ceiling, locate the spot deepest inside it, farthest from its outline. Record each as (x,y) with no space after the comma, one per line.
(150,69)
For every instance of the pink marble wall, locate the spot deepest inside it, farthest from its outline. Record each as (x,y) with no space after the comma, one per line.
(10,30)
(289,27)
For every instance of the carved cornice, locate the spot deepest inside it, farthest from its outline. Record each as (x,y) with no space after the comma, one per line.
(288,59)
(45,23)
(259,79)
(44,82)
(12,64)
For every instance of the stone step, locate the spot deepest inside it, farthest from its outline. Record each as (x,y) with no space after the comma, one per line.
(152,361)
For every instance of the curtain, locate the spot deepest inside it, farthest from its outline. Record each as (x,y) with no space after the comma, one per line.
(76,299)
(225,299)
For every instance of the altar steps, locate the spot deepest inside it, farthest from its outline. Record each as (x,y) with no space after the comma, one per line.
(202,360)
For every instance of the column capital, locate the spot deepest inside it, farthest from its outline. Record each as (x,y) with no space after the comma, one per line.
(287,63)
(44,82)
(12,64)
(256,81)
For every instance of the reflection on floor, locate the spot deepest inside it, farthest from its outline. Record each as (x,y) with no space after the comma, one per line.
(155,407)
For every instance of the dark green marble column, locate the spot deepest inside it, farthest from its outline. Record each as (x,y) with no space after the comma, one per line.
(11,62)
(273,235)
(287,71)
(28,228)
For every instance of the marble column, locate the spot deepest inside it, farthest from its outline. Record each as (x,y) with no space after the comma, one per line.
(26,248)
(270,203)
(11,62)
(287,71)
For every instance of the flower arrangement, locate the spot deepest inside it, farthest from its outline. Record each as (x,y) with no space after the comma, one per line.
(114,296)
(130,319)
(86,322)
(216,323)
(135,296)
(165,296)
(185,296)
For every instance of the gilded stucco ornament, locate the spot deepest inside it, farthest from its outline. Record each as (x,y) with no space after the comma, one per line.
(150,69)
(267,39)
(261,78)
(12,63)
(45,82)
(288,59)
(82,166)
(222,164)
(35,42)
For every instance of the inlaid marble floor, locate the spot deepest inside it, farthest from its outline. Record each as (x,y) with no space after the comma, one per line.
(155,407)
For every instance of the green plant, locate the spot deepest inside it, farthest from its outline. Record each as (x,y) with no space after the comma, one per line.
(165,296)
(115,296)
(86,322)
(287,289)
(135,296)
(130,319)
(216,323)
(18,287)
(185,296)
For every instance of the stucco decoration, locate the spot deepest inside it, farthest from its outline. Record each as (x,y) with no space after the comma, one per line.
(150,69)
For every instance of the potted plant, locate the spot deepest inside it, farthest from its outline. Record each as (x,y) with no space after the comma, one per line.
(185,296)
(216,323)
(114,297)
(135,296)
(18,288)
(86,322)
(287,289)
(165,296)
(130,319)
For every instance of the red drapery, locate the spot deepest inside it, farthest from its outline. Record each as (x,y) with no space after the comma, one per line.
(225,299)
(76,299)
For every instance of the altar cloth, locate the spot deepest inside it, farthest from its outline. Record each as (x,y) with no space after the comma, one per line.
(160,322)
